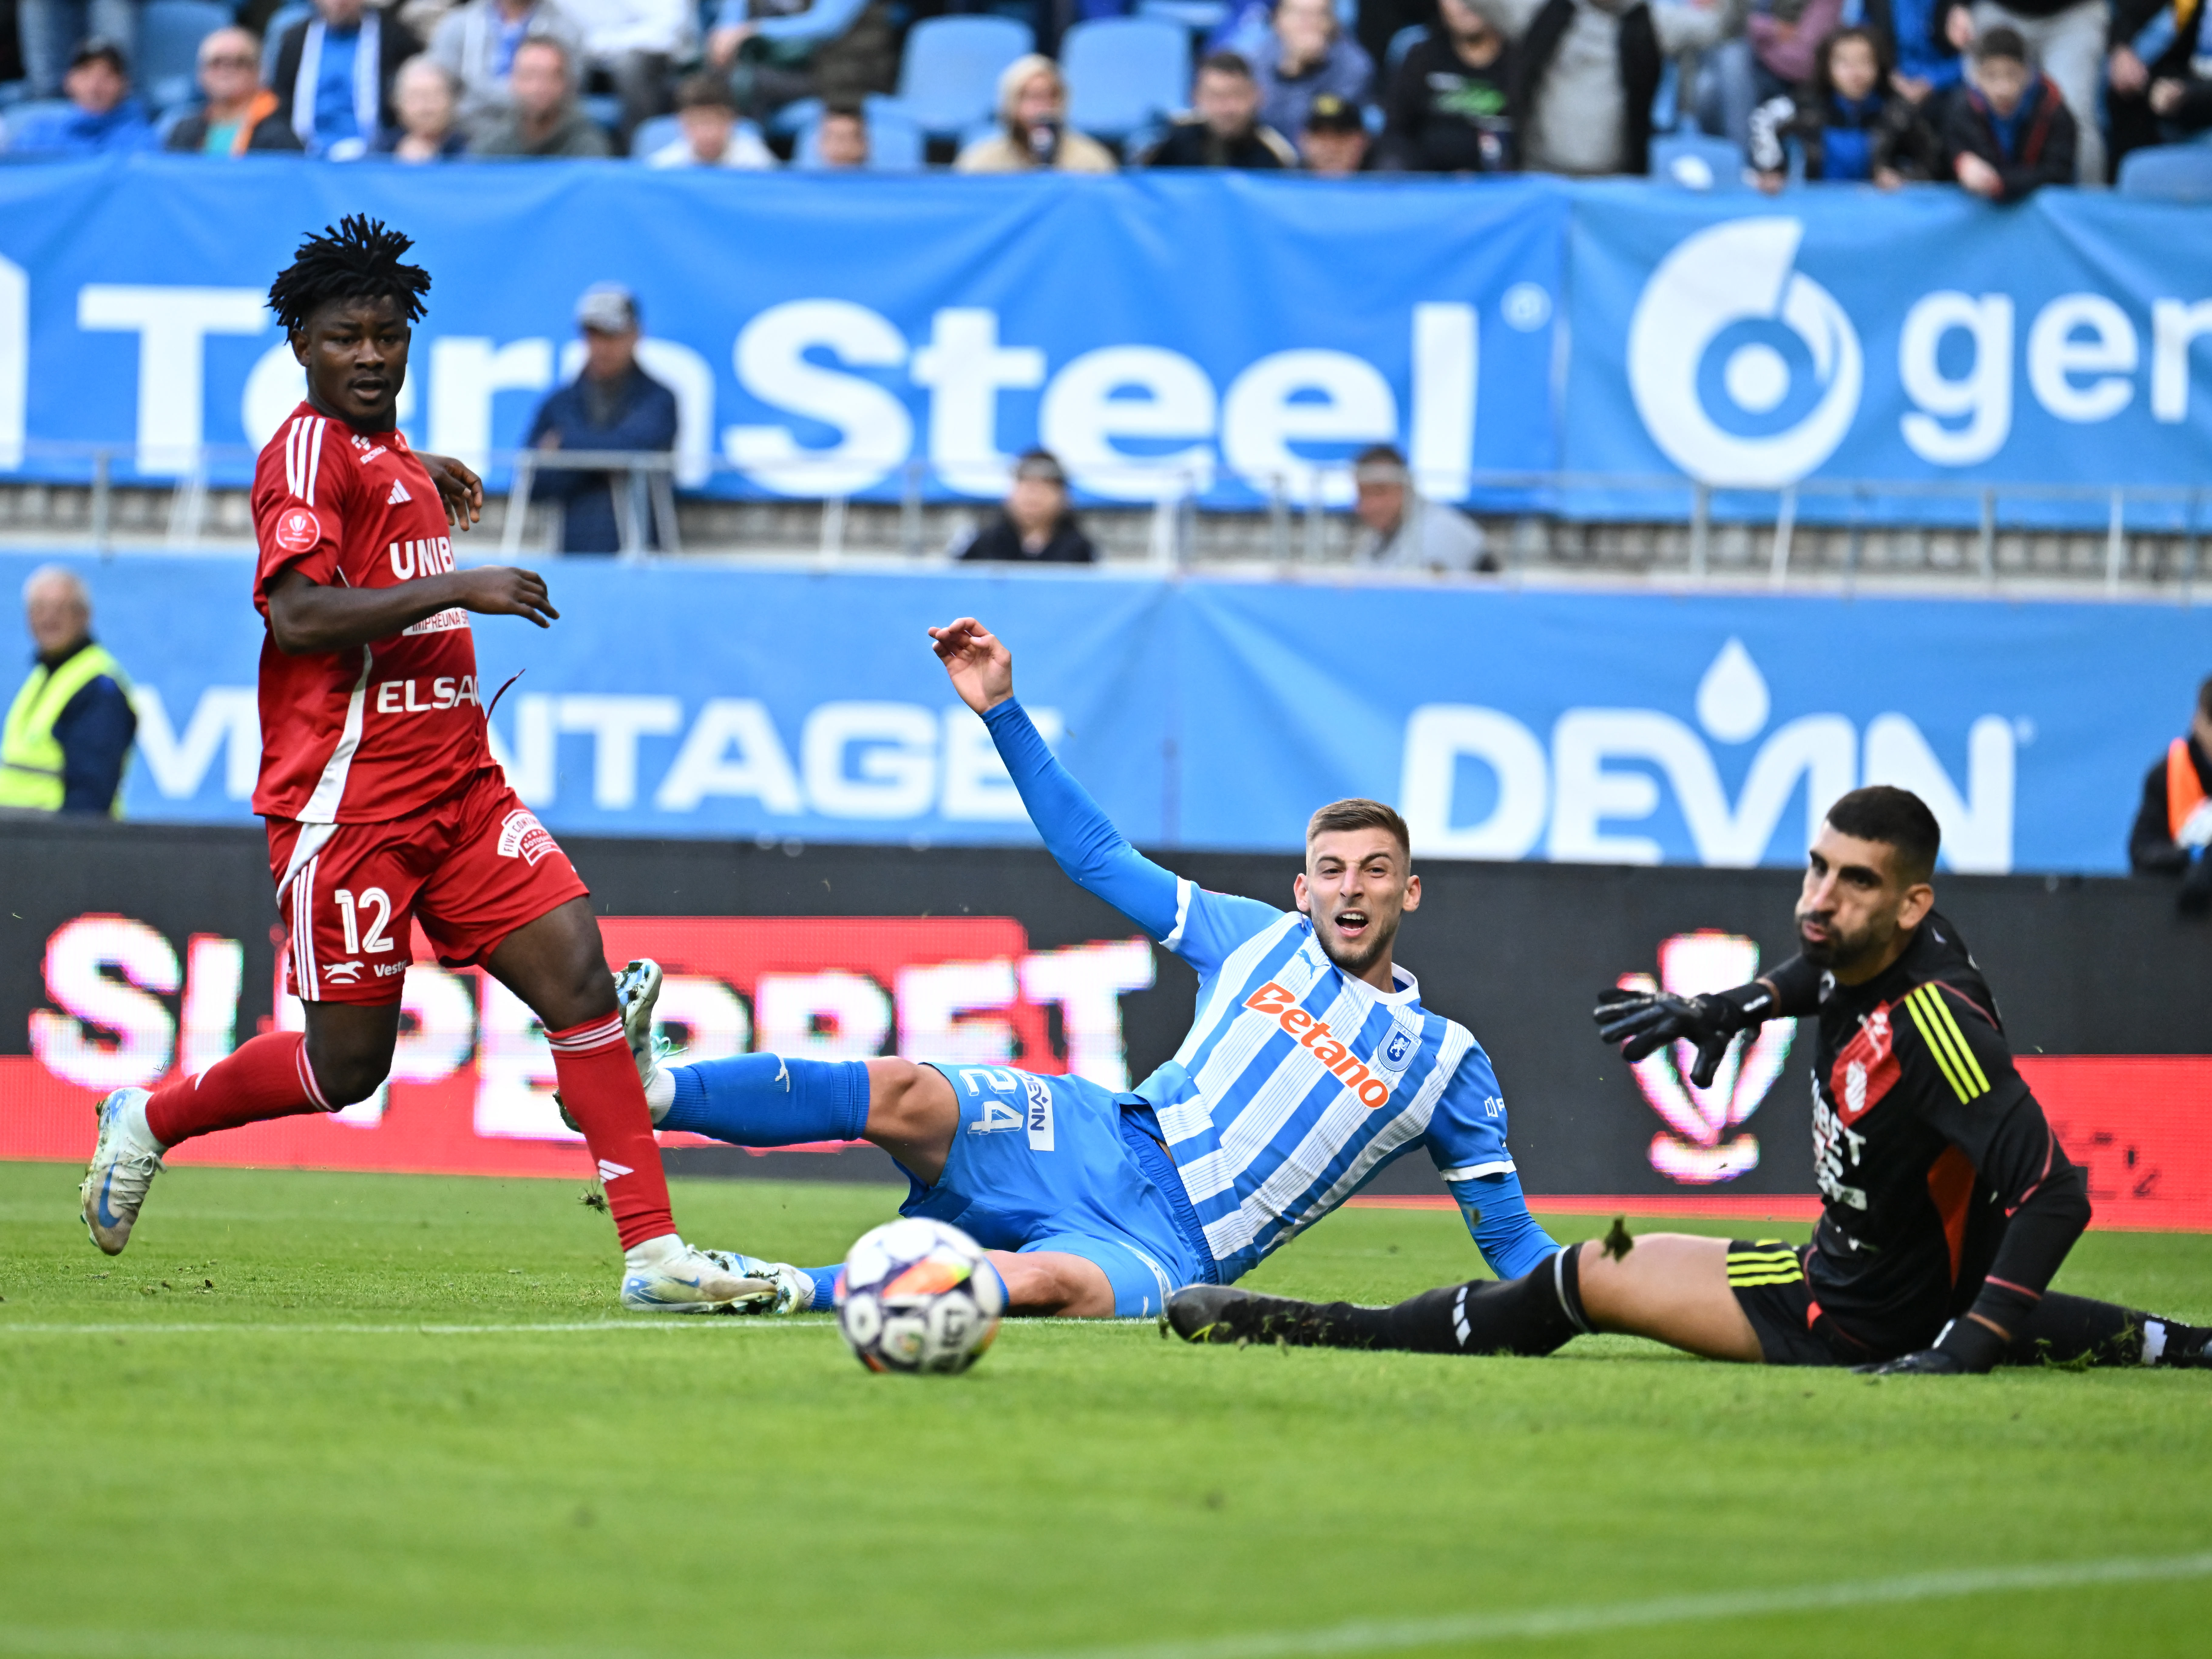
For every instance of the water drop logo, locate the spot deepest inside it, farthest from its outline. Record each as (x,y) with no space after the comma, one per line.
(1786,370)
(1702,1143)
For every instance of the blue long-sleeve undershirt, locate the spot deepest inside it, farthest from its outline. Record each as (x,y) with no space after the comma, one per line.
(1497,1212)
(1077,832)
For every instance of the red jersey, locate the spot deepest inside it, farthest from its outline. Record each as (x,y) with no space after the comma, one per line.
(376,731)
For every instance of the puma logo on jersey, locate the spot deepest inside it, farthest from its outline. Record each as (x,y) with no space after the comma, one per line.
(399,495)
(1332,1051)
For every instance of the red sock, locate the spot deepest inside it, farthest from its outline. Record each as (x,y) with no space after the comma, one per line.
(267,1077)
(600,1087)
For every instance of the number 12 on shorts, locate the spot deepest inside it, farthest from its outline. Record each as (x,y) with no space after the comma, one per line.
(350,912)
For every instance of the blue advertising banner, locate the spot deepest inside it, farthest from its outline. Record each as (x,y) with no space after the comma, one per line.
(1166,335)
(1921,336)
(794,706)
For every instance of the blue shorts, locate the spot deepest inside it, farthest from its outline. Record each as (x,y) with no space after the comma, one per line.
(1057,1164)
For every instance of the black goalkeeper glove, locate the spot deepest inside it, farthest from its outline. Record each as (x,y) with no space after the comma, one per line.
(1644,1022)
(1920,1362)
(1966,1347)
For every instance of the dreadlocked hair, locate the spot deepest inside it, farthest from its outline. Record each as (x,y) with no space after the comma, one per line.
(357,259)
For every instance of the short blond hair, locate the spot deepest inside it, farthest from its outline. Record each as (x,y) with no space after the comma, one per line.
(1359,813)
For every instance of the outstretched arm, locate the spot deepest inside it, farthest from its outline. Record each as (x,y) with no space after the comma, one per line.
(1644,1022)
(306,616)
(1081,838)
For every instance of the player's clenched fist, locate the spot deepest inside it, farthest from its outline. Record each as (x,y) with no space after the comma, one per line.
(981,668)
(500,590)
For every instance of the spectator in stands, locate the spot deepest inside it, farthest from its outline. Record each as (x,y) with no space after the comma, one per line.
(1588,71)
(1450,106)
(238,115)
(838,51)
(477,43)
(628,45)
(841,140)
(2153,94)
(1335,142)
(334,75)
(1848,123)
(69,731)
(2065,40)
(1929,65)
(2010,131)
(426,99)
(49,30)
(1035,524)
(103,119)
(541,121)
(1405,531)
(2174,826)
(713,136)
(1309,54)
(613,405)
(1033,132)
(1225,129)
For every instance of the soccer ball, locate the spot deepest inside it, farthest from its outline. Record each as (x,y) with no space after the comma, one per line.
(919,1295)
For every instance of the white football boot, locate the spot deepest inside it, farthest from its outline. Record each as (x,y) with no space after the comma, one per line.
(666,1275)
(124,1161)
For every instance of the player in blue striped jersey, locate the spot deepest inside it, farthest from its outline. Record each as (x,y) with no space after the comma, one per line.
(1310,1066)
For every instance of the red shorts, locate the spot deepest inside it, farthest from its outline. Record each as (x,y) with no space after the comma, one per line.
(472,867)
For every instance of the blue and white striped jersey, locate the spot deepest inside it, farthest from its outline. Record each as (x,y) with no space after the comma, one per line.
(1297,1082)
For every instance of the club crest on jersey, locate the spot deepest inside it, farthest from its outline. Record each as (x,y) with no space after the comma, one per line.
(1331,1050)
(521,836)
(297,529)
(1398,1049)
(342,973)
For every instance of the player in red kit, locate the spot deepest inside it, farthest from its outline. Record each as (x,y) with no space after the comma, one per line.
(383,802)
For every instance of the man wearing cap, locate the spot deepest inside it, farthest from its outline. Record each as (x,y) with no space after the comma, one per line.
(1035,524)
(103,119)
(613,405)
(1403,531)
(69,731)
(1335,141)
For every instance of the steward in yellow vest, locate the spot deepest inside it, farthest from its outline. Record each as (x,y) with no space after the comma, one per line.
(69,731)
(2174,825)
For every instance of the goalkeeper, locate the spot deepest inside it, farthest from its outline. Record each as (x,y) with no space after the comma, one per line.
(1948,1203)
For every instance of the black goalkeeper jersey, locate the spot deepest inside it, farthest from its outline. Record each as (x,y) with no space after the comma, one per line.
(1929,1150)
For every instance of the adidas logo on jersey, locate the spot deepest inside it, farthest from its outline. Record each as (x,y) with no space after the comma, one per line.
(399,495)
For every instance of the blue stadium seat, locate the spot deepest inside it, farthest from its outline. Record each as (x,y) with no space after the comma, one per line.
(2169,173)
(895,142)
(1402,43)
(169,36)
(273,37)
(1696,161)
(659,133)
(1124,73)
(1199,16)
(949,79)
(22,114)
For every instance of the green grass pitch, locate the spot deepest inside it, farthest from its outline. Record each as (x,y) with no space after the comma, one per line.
(309,1414)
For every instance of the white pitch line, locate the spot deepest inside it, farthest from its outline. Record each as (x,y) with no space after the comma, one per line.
(1390,1636)
(158,1328)
(1353,1638)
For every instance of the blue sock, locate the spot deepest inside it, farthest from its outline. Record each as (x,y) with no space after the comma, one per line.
(825,1285)
(764,1100)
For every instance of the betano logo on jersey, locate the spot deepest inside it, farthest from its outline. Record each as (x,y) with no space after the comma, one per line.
(1331,1050)
(1700,1144)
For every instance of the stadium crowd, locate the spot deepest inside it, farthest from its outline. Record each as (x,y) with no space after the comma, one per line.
(2000,97)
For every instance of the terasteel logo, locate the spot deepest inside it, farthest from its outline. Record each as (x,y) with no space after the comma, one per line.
(1701,1144)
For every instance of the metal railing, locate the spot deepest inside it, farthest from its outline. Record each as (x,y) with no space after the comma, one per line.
(1292,519)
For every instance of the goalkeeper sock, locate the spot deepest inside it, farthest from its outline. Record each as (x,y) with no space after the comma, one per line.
(765,1100)
(2067,1330)
(1535,1313)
